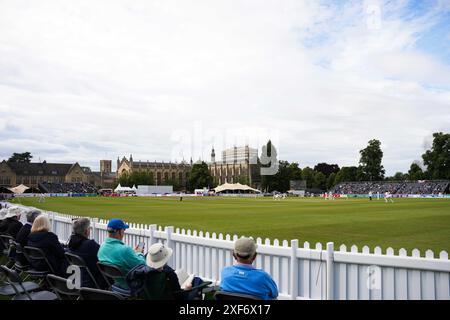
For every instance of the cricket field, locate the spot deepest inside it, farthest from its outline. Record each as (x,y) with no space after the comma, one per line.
(407,223)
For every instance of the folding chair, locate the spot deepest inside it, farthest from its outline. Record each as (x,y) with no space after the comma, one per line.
(111,273)
(19,265)
(11,290)
(20,290)
(222,295)
(37,256)
(157,287)
(6,241)
(97,294)
(79,262)
(59,286)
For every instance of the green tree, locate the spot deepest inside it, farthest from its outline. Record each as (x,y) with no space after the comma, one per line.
(326,168)
(200,177)
(136,178)
(142,178)
(308,175)
(415,172)
(281,180)
(124,179)
(21,157)
(174,183)
(370,162)
(320,181)
(346,174)
(398,176)
(331,181)
(242,179)
(437,159)
(295,171)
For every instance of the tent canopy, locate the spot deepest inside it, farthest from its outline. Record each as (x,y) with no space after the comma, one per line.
(19,189)
(234,187)
(122,189)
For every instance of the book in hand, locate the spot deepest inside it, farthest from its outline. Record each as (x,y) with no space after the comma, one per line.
(184,278)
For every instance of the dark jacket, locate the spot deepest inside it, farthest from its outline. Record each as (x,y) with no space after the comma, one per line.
(10,226)
(22,239)
(87,249)
(22,235)
(138,278)
(49,243)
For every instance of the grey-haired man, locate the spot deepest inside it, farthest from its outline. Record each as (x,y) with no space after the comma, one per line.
(243,277)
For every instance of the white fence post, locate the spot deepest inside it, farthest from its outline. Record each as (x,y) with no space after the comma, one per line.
(169,231)
(294,270)
(95,233)
(330,271)
(153,228)
(52,217)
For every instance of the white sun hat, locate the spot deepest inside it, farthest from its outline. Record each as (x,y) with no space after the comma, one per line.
(13,212)
(158,255)
(3,213)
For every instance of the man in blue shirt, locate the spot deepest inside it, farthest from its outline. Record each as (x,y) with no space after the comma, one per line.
(243,277)
(114,251)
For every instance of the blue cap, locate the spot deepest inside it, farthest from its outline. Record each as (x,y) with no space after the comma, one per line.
(117,224)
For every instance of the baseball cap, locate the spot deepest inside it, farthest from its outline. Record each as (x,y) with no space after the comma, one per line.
(245,247)
(117,224)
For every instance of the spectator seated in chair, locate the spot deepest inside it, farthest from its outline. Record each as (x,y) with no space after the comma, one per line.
(158,281)
(114,251)
(41,237)
(10,224)
(87,249)
(24,232)
(243,277)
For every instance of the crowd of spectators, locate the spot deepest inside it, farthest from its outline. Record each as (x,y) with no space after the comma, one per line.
(66,187)
(241,278)
(393,187)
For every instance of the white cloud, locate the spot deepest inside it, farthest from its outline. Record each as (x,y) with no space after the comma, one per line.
(84,80)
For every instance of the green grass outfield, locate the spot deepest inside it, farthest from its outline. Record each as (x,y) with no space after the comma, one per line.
(407,223)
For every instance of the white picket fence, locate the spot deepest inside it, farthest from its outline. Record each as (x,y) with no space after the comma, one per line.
(300,272)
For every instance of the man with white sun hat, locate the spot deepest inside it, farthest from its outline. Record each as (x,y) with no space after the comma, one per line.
(10,223)
(157,258)
(3,213)
(158,255)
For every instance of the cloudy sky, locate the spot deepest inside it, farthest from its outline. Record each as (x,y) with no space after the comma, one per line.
(166,80)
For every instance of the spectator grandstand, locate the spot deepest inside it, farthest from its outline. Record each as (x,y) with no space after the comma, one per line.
(66,187)
(394,187)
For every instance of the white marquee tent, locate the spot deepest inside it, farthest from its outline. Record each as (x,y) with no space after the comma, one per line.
(235,187)
(19,189)
(120,189)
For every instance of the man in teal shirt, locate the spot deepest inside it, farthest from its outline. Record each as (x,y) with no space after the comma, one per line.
(114,251)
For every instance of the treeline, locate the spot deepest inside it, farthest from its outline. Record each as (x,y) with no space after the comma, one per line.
(435,165)
(324,176)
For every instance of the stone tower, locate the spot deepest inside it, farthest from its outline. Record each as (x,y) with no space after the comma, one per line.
(105,166)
